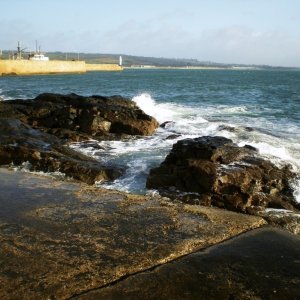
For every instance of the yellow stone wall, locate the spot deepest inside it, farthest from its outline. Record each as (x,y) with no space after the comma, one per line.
(27,67)
(103,67)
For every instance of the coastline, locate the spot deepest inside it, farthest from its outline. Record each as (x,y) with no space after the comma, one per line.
(70,239)
(147,67)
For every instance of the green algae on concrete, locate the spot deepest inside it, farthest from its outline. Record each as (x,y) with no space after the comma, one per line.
(60,239)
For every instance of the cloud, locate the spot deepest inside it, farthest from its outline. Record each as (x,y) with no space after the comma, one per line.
(147,39)
(240,44)
(232,44)
(15,30)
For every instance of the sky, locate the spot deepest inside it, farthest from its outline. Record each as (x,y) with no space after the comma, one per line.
(225,31)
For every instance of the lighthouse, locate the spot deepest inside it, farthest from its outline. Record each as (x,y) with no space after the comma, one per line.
(120,61)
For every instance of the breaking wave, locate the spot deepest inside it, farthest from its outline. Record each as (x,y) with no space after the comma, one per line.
(139,155)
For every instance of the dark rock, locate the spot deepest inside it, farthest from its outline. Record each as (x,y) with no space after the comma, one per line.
(164,124)
(282,218)
(223,175)
(20,143)
(92,144)
(250,147)
(173,136)
(72,116)
(32,131)
(227,128)
(234,129)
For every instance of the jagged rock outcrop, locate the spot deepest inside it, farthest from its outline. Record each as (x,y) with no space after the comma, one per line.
(21,143)
(215,171)
(34,131)
(74,117)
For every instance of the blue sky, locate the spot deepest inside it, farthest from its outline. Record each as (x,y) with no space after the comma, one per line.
(229,31)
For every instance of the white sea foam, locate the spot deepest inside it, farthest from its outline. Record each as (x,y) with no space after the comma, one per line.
(277,153)
(233,109)
(159,111)
(139,155)
(267,149)
(296,188)
(162,111)
(133,179)
(277,210)
(2,97)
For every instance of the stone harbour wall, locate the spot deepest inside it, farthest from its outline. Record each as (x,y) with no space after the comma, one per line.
(103,67)
(27,67)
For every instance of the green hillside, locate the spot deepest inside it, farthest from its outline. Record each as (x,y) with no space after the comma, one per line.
(130,60)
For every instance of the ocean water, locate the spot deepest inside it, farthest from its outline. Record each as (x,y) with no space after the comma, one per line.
(263,106)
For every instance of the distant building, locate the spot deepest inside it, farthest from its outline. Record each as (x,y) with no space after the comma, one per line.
(39,56)
(120,61)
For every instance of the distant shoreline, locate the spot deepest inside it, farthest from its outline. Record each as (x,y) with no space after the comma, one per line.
(132,61)
(189,68)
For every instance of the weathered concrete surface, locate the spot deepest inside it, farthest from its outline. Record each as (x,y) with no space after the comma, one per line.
(261,264)
(61,239)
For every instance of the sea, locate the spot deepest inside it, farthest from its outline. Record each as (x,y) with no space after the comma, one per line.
(263,107)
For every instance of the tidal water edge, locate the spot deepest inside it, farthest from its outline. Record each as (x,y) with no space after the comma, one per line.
(254,107)
(66,239)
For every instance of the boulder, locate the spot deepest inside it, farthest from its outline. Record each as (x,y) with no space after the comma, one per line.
(234,129)
(20,144)
(73,116)
(173,136)
(166,124)
(33,132)
(215,171)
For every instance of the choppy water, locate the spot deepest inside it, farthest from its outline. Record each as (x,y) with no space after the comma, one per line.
(197,101)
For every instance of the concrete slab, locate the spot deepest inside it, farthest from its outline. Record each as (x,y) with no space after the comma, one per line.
(61,239)
(261,264)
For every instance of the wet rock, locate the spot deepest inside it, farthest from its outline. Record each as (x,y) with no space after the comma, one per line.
(173,136)
(34,131)
(282,218)
(95,115)
(67,134)
(165,124)
(227,128)
(20,144)
(234,129)
(224,175)
(92,144)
